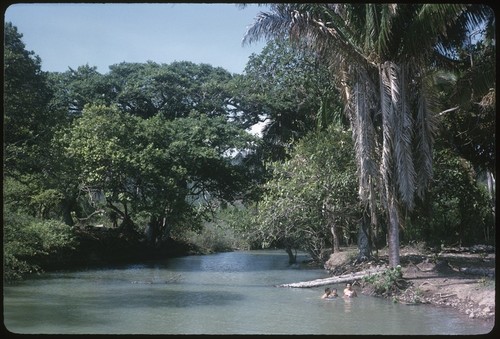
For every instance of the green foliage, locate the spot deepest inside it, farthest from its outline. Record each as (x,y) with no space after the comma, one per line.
(172,90)
(148,142)
(28,239)
(289,88)
(161,167)
(214,238)
(232,227)
(308,193)
(146,89)
(74,89)
(457,210)
(25,192)
(382,56)
(156,143)
(28,122)
(385,283)
(470,128)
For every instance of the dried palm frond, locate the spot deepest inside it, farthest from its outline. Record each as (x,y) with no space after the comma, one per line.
(489,100)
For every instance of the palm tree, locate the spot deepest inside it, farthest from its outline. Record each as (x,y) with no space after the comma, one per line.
(381,57)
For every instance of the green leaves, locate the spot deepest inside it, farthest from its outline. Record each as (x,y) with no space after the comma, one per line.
(153,165)
(28,123)
(458,209)
(307,193)
(27,238)
(291,89)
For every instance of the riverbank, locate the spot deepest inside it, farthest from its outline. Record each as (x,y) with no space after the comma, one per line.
(104,246)
(460,278)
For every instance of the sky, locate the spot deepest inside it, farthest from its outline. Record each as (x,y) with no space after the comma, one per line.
(72,35)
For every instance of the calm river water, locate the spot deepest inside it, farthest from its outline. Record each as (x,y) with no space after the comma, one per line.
(225,293)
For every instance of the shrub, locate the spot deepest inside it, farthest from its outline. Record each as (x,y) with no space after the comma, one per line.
(385,283)
(27,240)
(214,238)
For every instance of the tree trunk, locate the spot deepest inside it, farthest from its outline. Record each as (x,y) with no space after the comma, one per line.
(157,230)
(151,231)
(66,211)
(336,279)
(373,229)
(393,231)
(292,258)
(364,247)
(328,215)
(336,239)
(127,225)
(165,229)
(491,190)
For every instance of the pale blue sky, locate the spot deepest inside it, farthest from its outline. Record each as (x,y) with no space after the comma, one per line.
(72,35)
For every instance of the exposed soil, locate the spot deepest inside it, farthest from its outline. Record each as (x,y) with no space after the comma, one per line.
(461,278)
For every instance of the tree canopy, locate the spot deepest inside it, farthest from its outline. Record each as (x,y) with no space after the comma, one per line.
(382,57)
(378,120)
(311,197)
(288,88)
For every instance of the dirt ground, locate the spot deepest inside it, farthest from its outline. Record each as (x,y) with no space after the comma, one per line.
(461,278)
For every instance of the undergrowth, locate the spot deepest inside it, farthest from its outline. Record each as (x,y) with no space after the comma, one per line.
(387,283)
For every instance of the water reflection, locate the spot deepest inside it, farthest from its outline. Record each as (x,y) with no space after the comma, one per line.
(347,305)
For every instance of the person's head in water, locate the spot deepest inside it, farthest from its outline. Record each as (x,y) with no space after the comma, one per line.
(327,293)
(349,291)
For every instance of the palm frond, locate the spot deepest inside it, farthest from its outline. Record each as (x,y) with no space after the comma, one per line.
(371,27)
(437,17)
(488,101)
(387,113)
(320,26)
(385,30)
(425,125)
(425,101)
(403,138)
(364,134)
(267,26)
(397,43)
(397,166)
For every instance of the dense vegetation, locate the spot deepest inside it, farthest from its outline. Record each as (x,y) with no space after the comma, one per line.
(148,157)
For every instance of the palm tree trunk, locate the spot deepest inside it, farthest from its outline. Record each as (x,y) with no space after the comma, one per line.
(373,229)
(491,190)
(365,251)
(393,231)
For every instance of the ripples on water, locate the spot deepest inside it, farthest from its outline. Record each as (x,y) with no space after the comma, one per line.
(225,293)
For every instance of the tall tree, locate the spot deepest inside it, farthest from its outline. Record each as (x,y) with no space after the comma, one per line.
(31,226)
(469,125)
(311,197)
(75,88)
(28,122)
(288,89)
(145,89)
(161,168)
(381,56)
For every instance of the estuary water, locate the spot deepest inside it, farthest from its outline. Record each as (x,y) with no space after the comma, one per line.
(224,293)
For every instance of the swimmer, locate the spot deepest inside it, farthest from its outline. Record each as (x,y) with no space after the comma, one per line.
(349,292)
(329,293)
